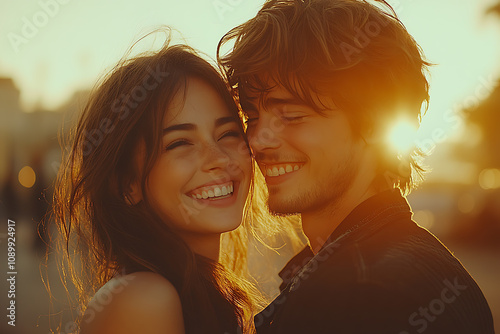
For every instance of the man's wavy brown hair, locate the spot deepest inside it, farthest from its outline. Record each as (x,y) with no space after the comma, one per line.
(357,53)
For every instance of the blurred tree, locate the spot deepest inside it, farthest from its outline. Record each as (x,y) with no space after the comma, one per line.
(487,116)
(481,226)
(495,9)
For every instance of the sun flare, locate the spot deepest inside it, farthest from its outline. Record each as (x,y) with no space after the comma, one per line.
(402,135)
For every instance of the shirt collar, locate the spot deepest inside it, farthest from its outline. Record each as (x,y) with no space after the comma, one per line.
(372,209)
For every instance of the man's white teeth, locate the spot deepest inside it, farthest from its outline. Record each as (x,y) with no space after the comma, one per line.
(214,191)
(277,171)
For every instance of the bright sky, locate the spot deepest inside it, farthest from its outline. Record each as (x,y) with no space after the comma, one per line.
(78,40)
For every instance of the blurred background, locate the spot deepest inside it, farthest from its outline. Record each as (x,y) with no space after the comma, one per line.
(53,51)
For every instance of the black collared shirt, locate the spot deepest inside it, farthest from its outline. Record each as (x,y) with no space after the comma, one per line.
(378,272)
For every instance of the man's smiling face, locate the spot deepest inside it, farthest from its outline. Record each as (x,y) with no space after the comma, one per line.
(309,159)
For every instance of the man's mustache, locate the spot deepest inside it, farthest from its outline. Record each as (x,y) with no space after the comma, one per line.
(275,157)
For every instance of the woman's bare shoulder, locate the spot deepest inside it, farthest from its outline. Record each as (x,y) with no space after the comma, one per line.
(142,302)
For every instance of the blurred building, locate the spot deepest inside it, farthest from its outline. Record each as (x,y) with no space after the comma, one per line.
(30,153)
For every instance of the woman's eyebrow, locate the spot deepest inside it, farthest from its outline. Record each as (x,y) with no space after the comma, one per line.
(179,127)
(190,126)
(224,120)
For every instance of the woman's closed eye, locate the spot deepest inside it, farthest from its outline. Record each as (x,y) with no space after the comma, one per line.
(177,143)
(231,134)
(184,142)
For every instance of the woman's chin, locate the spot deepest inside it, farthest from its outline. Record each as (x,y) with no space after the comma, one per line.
(226,222)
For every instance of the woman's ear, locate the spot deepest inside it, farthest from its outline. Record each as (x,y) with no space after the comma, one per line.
(133,194)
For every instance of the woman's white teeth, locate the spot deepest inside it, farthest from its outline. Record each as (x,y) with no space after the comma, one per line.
(277,171)
(214,191)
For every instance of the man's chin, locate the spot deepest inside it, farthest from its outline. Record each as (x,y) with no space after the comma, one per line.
(282,208)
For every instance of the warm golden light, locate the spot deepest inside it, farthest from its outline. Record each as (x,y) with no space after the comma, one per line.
(424,218)
(489,178)
(402,135)
(466,203)
(27,177)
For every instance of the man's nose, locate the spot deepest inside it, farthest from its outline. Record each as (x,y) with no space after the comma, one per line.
(264,133)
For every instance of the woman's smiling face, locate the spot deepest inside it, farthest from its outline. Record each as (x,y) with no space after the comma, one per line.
(200,181)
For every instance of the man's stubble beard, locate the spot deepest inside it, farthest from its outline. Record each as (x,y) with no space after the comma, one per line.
(326,193)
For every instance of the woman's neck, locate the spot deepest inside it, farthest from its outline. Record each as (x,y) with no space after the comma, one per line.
(207,245)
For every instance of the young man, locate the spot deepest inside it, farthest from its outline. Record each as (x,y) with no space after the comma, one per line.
(321,82)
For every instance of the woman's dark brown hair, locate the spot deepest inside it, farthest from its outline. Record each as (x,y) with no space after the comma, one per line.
(353,51)
(112,237)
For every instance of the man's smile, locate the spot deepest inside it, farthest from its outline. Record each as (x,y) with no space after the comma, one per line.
(278,169)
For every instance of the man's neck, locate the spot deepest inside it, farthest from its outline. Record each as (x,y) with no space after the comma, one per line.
(318,225)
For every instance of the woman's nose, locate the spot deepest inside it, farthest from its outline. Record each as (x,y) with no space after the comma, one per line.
(214,158)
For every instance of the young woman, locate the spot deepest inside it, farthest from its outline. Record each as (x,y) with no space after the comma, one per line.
(158,169)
